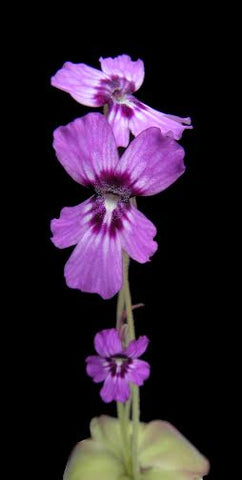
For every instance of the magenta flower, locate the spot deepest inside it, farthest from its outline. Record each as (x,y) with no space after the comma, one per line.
(108,222)
(117,366)
(114,86)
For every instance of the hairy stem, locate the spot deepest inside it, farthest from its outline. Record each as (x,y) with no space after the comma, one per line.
(134,388)
(124,432)
(135,420)
(123,410)
(120,309)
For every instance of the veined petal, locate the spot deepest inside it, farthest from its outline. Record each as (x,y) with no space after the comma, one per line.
(138,372)
(152,161)
(119,121)
(163,448)
(96,368)
(115,388)
(72,224)
(123,66)
(137,235)
(81,82)
(145,117)
(136,348)
(95,266)
(108,343)
(86,147)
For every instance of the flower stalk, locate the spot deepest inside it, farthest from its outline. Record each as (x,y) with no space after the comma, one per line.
(122,410)
(124,301)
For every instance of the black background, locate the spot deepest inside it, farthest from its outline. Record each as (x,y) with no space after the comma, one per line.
(180,287)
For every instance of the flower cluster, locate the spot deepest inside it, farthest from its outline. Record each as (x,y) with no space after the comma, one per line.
(106,229)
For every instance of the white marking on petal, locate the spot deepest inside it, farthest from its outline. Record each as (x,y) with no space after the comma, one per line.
(119,361)
(88,217)
(110,202)
(126,224)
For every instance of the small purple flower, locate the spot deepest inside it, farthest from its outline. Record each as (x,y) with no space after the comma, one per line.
(108,222)
(114,86)
(117,366)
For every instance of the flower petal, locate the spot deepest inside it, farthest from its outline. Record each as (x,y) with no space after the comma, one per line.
(138,372)
(95,266)
(90,461)
(152,161)
(163,447)
(123,66)
(86,148)
(137,235)
(136,348)
(119,122)
(96,368)
(145,117)
(108,343)
(115,388)
(72,224)
(81,82)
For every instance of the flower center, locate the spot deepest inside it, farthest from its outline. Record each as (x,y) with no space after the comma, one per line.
(113,188)
(120,89)
(119,365)
(118,96)
(110,201)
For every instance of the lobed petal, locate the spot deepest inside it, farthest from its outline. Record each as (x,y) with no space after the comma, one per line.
(108,343)
(137,235)
(136,348)
(115,388)
(86,148)
(95,265)
(138,372)
(72,224)
(152,161)
(123,66)
(81,82)
(145,117)
(96,368)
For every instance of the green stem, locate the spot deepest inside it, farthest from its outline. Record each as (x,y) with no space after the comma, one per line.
(127,408)
(124,433)
(134,388)
(105,110)
(128,305)
(120,309)
(135,420)
(123,410)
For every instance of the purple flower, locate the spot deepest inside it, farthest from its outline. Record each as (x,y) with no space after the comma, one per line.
(114,86)
(117,366)
(108,222)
